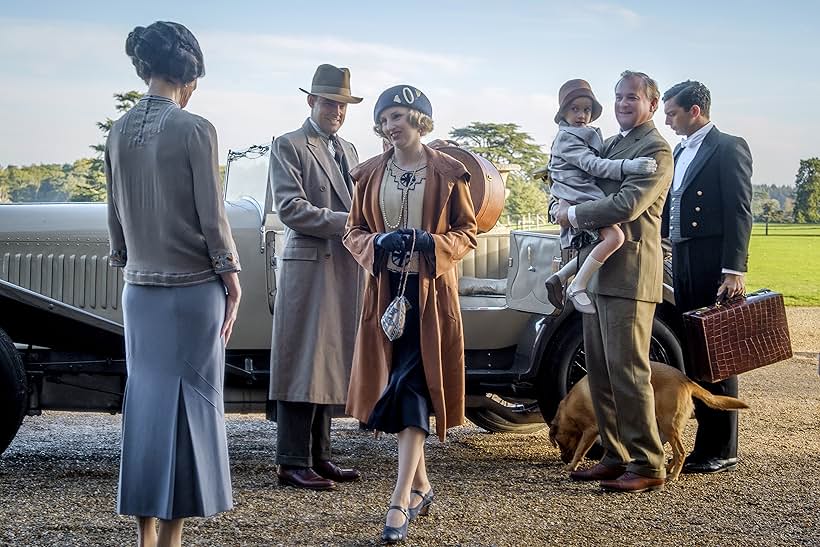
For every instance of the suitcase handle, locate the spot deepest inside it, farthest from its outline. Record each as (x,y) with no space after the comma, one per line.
(723,299)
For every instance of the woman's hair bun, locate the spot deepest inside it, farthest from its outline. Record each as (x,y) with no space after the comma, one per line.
(131,42)
(165,49)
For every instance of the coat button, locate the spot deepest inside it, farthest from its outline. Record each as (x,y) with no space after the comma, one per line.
(697,209)
(321,188)
(700,193)
(673,208)
(694,225)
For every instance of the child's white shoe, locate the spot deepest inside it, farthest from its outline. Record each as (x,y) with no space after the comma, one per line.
(581,301)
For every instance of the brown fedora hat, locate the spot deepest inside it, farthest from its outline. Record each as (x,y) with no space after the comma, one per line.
(571,91)
(332,83)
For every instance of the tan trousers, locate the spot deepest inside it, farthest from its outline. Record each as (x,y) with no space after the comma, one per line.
(616,341)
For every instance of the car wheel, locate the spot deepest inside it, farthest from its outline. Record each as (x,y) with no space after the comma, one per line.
(498,415)
(565,361)
(13,391)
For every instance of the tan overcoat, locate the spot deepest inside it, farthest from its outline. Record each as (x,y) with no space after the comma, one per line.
(317,298)
(448,215)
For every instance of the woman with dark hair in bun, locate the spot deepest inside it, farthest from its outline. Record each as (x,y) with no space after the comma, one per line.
(411,221)
(170,234)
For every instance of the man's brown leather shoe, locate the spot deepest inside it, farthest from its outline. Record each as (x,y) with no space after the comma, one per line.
(598,472)
(633,483)
(330,470)
(303,477)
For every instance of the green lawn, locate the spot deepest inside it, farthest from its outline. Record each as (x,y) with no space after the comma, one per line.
(786,261)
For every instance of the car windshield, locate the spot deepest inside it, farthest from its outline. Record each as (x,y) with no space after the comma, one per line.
(246,173)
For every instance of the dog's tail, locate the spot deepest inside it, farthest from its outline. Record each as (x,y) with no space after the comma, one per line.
(719,402)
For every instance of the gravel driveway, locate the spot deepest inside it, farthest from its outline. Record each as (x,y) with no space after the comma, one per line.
(58,483)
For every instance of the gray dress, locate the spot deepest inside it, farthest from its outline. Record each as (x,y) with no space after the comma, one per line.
(168,229)
(574,165)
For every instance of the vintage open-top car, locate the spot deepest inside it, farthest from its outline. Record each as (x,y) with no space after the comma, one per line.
(61,334)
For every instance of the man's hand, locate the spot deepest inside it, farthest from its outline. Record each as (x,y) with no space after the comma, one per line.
(733,285)
(562,215)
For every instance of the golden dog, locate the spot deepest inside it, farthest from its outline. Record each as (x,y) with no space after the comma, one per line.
(574,429)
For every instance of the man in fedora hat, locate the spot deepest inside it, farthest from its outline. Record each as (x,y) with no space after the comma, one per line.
(317,297)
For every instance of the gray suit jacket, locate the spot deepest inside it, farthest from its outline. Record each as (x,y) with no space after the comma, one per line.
(635,271)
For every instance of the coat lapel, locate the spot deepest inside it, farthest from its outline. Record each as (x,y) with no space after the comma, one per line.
(319,150)
(706,150)
(631,138)
(436,191)
(676,153)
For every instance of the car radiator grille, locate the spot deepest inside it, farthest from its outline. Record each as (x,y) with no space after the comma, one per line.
(81,279)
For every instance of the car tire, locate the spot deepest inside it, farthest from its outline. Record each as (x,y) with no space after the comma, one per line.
(564,360)
(13,391)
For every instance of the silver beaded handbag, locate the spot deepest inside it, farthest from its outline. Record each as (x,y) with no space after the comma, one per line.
(394,316)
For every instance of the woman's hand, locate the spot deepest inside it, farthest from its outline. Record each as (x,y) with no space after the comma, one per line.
(231,281)
(391,241)
(424,241)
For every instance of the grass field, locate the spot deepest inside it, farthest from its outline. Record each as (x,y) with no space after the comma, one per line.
(786,261)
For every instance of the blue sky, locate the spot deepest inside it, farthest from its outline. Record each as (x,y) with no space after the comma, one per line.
(60,63)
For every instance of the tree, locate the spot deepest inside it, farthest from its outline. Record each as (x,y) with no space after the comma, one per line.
(506,143)
(123,103)
(525,197)
(92,188)
(807,191)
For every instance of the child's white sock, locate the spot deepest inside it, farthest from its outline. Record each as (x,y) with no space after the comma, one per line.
(567,271)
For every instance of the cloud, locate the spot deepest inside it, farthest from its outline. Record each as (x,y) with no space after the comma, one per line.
(625,15)
(59,77)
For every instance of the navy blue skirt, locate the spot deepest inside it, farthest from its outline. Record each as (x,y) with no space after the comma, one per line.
(405,401)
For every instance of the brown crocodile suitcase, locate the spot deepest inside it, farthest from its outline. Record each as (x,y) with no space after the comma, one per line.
(737,336)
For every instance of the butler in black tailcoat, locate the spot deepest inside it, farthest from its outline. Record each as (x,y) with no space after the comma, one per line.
(708,219)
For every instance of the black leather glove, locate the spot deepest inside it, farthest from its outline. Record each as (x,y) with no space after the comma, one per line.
(390,241)
(424,241)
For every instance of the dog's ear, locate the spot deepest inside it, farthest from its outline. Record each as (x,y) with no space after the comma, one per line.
(554,433)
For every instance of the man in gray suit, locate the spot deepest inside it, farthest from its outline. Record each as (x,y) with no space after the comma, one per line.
(625,293)
(317,297)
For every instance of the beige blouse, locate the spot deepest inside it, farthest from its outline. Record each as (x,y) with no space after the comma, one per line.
(395,213)
(166,216)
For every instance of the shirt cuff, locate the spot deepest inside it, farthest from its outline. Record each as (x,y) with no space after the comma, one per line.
(118,258)
(735,272)
(225,263)
(571,216)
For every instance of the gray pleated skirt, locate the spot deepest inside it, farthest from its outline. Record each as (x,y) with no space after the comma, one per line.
(174,448)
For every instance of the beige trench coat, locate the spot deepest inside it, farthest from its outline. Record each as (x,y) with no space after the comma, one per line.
(317,299)
(448,215)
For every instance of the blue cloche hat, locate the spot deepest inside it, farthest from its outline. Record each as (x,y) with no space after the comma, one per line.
(403,95)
